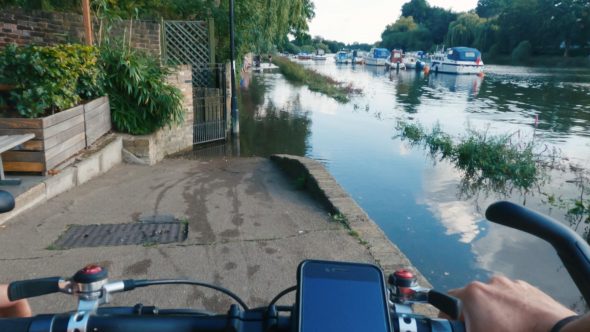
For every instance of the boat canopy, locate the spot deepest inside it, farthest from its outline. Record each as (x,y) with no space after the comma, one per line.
(380,53)
(463,54)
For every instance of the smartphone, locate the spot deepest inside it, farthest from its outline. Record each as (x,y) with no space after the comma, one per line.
(343,297)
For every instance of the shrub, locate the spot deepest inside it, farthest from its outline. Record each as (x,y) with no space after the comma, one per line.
(49,79)
(522,52)
(141,100)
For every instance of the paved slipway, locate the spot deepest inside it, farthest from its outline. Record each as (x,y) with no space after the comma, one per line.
(249,226)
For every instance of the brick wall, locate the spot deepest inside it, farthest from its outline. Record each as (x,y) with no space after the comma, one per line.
(48,28)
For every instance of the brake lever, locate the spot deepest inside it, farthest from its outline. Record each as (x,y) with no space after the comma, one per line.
(404,290)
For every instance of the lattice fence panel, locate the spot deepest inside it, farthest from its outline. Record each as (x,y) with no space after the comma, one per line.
(187,42)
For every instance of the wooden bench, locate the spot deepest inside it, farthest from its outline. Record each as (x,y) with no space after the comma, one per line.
(8,142)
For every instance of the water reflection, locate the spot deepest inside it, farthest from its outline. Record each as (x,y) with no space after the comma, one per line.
(267,128)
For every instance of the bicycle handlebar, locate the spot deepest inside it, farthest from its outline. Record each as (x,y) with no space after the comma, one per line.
(573,251)
(249,320)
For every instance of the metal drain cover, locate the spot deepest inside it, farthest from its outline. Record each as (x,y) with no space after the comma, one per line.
(141,233)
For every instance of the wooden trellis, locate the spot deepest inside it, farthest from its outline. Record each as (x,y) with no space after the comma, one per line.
(191,43)
(187,43)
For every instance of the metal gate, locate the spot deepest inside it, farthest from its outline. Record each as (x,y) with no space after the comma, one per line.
(187,42)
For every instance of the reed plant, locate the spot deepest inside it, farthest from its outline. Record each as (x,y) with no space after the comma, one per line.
(315,81)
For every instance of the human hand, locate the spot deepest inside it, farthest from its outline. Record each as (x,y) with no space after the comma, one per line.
(12,309)
(504,305)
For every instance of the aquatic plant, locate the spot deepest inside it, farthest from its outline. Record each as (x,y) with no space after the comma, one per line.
(315,81)
(494,163)
(577,209)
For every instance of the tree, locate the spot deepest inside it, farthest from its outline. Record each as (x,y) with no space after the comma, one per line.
(463,31)
(418,9)
(566,22)
(405,34)
(490,8)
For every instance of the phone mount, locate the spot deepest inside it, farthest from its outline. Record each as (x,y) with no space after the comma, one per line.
(404,291)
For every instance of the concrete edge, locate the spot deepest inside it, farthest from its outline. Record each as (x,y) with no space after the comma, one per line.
(80,172)
(324,188)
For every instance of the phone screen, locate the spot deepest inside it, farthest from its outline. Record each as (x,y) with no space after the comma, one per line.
(343,297)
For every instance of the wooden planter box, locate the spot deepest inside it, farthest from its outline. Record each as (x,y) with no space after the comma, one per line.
(57,137)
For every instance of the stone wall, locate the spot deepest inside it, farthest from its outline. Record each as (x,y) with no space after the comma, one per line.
(25,27)
(149,149)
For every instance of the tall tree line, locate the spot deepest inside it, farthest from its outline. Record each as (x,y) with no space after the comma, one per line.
(495,26)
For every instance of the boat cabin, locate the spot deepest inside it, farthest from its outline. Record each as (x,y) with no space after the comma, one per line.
(396,56)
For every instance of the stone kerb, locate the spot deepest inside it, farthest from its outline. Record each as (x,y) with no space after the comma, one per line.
(150,149)
(324,188)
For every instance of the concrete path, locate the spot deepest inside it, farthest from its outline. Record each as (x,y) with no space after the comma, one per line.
(248,229)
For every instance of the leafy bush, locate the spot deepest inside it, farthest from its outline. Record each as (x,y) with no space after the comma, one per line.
(522,52)
(141,100)
(49,79)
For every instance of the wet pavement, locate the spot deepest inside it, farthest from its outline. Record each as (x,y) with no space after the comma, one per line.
(248,228)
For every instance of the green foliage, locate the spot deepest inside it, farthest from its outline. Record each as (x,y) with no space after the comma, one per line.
(292,48)
(406,34)
(314,80)
(487,161)
(50,79)
(550,26)
(141,100)
(523,52)
(308,49)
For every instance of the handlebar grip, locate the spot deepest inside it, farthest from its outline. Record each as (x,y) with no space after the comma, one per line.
(25,289)
(448,304)
(571,248)
(16,324)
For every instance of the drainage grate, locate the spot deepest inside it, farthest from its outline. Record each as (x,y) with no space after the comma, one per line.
(142,233)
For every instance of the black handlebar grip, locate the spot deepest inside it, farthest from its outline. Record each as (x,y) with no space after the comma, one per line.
(571,248)
(15,324)
(34,287)
(448,304)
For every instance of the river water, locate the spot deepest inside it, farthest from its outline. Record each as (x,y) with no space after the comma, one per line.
(418,201)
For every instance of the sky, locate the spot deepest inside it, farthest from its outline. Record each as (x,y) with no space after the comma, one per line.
(364,21)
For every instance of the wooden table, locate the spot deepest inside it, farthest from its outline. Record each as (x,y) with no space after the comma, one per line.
(8,142)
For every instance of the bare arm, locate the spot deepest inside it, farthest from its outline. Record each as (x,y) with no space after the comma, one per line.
(9,308)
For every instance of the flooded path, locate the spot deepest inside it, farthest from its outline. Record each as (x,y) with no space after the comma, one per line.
(422,204)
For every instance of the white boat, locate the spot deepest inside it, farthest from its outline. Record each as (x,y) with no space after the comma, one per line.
(343,57)
(457,60)
(377,57)
(410,60)
(319,55)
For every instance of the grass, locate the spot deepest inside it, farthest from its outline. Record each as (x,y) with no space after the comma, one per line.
(341,219)
(315,81)
(493,162)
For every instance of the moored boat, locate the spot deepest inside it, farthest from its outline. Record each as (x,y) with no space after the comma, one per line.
(319,55)
(457,60)
(410,60)
(395,60)
(304,56)
(377,57)
(343,57)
